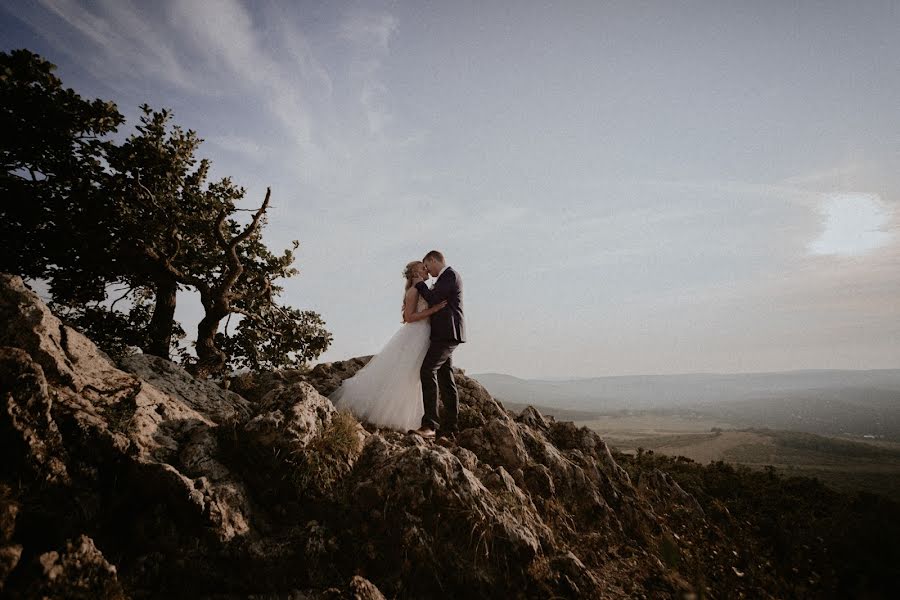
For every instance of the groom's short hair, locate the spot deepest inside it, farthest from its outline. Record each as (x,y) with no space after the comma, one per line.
(435,255)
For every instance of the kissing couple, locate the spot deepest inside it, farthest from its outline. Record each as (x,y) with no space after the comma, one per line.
(398,388)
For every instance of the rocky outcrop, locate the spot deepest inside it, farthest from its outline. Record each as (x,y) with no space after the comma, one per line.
(10,552)
(217,404)
(259,486)
(79,572)
(81,417)
(431,521)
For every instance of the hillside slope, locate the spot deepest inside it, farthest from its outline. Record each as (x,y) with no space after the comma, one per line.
(135,480)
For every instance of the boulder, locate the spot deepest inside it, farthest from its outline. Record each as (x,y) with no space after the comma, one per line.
(74,415)
(215,403)
(79,572)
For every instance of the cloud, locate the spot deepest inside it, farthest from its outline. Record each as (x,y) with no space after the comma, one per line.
(246,147)
(369,30)
(131,42)
(370,35)
(854,224)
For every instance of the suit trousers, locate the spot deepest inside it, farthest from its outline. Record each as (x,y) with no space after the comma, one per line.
(437,371)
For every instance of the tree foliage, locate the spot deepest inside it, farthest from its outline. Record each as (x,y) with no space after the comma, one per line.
(52,154)
(89,215)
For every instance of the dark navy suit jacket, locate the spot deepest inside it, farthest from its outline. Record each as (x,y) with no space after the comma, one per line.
(449,324)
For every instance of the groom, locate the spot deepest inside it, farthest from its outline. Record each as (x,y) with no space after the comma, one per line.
(448,330)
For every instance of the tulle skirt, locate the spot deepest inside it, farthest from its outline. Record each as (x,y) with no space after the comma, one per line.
(387,392)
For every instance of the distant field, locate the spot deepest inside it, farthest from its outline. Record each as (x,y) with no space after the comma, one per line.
(622,428)
(846,464)
(843,464)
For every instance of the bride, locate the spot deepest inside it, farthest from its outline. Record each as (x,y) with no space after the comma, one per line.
(387,392)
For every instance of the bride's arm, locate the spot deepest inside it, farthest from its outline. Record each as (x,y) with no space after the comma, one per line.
(409,307)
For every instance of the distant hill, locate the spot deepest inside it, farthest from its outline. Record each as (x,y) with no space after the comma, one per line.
(822,401)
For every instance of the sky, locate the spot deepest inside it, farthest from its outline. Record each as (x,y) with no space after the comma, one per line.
(624,187)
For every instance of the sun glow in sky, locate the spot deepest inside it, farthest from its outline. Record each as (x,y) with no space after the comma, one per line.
(854,224)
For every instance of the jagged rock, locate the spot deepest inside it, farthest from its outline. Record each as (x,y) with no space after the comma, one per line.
(102,418)
(430,519)
(65,355)
(497,442)
(204,397)
(253,386)
(25,419)
(79,572)
(327,377)
(575,577)
(303,440)
(297,412)
(539,481)
(363,589)
(534,419)
(476,406)
(567,436)
(665,491)
(10,553)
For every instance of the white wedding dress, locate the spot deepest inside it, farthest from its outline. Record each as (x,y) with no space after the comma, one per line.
(387,392)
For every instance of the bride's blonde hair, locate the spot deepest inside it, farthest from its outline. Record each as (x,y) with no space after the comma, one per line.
(409,272)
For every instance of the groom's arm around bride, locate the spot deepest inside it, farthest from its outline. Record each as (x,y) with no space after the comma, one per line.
(449,324)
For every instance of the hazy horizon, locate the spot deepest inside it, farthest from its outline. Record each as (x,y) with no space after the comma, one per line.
(626,189)
(553,378)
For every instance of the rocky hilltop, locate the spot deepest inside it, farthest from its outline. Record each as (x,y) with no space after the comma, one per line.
(136,480)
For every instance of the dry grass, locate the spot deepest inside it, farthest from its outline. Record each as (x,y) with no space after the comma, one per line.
(322,464)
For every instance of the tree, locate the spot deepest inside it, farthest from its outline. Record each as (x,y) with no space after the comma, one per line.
(89,215)
(275,337)
(156,190)
(52,154)
(175,230)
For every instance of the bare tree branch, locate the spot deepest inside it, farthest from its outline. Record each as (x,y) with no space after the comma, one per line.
(128,291)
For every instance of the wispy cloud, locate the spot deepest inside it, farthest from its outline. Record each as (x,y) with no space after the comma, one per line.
(246,147)
(369,30)
(370,34)
(126,37)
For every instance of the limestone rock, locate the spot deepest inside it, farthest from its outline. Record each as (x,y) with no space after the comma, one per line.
(327,377)
(431,517)
(65,355)
(297,411)
(363,589)
(78,572)
(10,553)
(101,418)
(27,428)
(497,442)
(204,397)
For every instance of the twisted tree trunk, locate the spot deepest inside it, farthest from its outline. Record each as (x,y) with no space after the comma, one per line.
(217,299)
(210,360)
